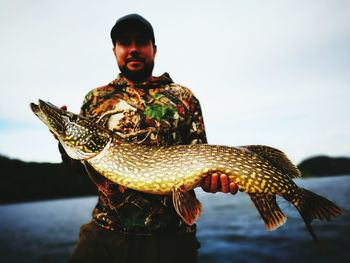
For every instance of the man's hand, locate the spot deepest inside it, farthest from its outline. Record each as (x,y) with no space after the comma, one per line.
(218,183)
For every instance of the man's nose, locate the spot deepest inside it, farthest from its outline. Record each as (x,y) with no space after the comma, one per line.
(134,48)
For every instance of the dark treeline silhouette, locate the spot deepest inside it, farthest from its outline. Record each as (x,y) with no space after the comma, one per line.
(325,166)
(29,181)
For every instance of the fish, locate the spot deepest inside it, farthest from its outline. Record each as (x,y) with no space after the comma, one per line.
(261,171)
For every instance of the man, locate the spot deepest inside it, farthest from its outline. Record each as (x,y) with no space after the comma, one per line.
(130,226)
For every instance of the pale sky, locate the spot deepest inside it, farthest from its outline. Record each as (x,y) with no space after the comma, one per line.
(266,72)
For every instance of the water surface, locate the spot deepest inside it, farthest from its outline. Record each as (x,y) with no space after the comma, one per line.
(229,229)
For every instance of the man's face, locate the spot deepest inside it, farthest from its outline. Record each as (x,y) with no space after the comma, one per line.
(135,55)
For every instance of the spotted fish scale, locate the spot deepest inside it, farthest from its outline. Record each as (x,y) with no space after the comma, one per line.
(260,171)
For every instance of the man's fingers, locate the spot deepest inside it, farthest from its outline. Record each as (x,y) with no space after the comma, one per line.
(121,188)
(224,183)
(218,182)
(214,183)
(206,183)
(233,188)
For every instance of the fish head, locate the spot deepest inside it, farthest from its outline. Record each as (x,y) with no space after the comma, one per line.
(81,138)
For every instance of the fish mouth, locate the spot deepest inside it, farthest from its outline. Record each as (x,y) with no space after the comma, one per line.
(42,105)
(38,111)
(52,116)
(35,107)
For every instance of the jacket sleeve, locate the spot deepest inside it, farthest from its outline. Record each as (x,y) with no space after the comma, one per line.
(196,129)
(88,103)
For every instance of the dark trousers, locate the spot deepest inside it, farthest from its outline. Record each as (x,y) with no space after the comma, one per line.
(97,244)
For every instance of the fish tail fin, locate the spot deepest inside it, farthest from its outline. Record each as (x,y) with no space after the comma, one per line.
(313,206)
(269,210)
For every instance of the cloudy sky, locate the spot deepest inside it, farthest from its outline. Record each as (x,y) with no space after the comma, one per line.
(266,72)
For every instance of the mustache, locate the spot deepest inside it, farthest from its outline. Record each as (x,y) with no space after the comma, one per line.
(135,58)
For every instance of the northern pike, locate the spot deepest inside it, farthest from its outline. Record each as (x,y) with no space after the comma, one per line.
(260,171)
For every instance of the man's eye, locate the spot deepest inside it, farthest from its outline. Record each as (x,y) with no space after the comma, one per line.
(142,41)
(124,42)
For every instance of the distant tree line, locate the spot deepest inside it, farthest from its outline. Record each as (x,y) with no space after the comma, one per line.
(325,166)
(28,181)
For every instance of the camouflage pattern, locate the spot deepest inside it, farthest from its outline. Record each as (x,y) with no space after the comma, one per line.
(158,112)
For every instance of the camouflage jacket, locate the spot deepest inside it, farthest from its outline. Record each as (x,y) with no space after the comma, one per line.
(158,112)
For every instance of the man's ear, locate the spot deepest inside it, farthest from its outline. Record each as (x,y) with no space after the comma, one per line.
(114,51)
(155,49)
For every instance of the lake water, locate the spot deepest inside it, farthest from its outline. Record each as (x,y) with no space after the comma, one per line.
(229,229)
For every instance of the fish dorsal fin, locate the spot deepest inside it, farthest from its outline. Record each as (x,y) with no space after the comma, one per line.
(187,206)
(269,210)
(277,158)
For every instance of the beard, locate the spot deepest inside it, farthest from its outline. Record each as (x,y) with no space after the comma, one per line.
(138,76)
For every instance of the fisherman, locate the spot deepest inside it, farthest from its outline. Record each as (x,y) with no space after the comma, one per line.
(130,226)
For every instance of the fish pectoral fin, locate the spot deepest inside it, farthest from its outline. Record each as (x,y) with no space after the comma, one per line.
(98,179)
(187,205)
(269,210)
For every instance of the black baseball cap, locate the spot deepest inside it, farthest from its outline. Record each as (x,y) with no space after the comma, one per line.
(132,21)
